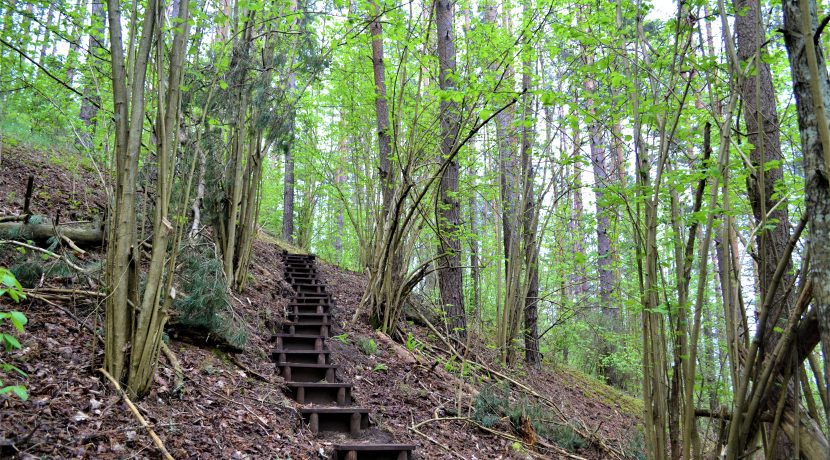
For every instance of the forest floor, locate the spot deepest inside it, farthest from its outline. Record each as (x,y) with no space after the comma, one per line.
(231,405)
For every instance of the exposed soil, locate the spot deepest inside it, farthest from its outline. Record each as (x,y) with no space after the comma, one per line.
(232,406)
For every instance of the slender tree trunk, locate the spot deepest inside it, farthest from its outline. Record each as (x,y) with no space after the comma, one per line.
(601,162)
(530,217)
(449,214)
(288,178)
(381,109)
(288,196)
(475,264)
(50,15)
(91,100)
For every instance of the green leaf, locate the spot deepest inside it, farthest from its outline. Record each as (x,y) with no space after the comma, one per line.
(18,320)
(18,390)
(11,341)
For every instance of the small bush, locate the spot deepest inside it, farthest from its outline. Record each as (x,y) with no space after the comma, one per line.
(207,307)
(493,404)
(367,345)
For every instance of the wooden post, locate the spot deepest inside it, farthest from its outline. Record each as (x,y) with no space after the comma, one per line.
(314,422)
(341,396)
(403,455)
(30,185)
(352,455)
(301,395)
(354,426)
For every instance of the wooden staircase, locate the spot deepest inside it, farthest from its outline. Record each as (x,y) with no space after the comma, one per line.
(304,361)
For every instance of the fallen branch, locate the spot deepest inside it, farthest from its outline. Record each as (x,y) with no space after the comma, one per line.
(178,382)
(138,416)
(84,236)
(72,245)
(71,292)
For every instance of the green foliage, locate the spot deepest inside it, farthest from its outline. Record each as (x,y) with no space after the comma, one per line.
(207,305)
(412,343)
(28,273)
(342,338)
(9,341)
(494,404)
(367,345)
(380,367)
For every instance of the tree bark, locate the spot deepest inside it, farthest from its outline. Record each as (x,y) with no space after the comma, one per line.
(450,277)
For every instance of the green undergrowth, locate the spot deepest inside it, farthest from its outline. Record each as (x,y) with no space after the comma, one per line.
(495,403)
(30,266)
(597,390)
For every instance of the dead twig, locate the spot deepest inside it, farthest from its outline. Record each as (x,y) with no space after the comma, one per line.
(248,370)
(434,441)
(138,416)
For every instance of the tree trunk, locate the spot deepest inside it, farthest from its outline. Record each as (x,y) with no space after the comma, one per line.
(812,95)
(381,108)
(449,214)
(601,162)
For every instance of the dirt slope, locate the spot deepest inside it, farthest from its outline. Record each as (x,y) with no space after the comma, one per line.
(231,406)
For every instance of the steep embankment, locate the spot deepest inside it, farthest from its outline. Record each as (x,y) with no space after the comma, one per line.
(232,405)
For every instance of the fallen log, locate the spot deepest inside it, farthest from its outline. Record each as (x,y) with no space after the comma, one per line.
(81,236)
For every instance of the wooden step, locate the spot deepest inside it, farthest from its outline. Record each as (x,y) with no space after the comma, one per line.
(306,288)
(301,269)
(366,451)
(322,329)
(312,295)
(299,256)
(301,356)
(311,300)
(308,317)
(298,280)
(302,278)
(307,372)
(321,393)
(291,342)
(352,420)
(307,309)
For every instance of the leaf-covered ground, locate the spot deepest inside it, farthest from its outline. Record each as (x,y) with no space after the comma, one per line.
(232,406)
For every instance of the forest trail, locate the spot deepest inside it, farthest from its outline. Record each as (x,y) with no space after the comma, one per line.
(304,360)
(230,405)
